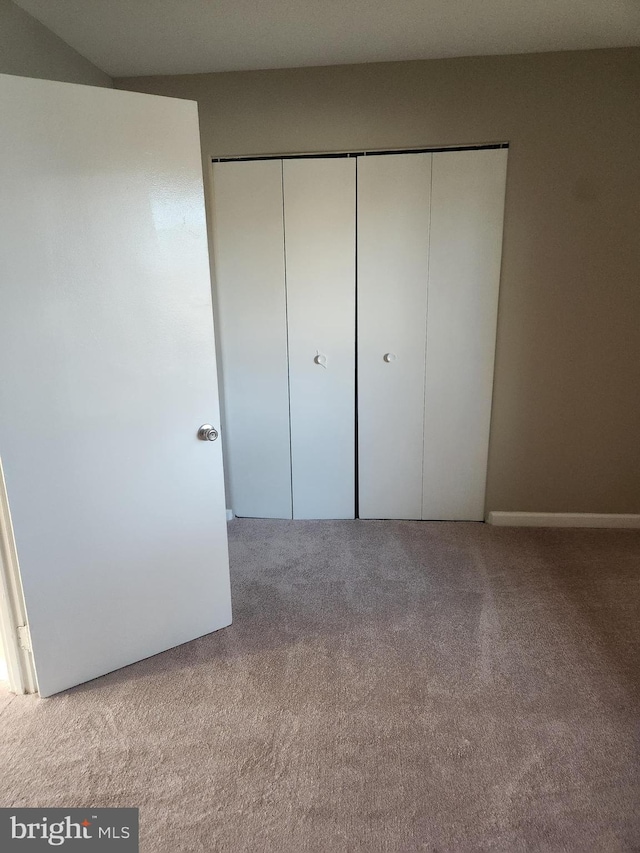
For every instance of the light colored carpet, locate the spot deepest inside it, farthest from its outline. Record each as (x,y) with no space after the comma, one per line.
(386,686)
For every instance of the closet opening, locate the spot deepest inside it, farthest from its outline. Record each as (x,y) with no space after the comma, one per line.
(356,300)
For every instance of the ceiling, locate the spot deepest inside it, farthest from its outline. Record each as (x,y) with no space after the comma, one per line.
(140,37)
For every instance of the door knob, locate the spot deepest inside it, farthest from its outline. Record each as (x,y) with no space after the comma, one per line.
(207,433)
(389,357)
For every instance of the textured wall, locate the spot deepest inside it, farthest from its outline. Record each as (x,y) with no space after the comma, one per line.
(29,49)
(566,415)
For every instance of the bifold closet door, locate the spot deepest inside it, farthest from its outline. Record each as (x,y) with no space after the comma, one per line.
(320,220)
(252,328)
(467,205)
(393,268)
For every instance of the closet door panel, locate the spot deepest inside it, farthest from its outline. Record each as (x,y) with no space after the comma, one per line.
(319,209)
(393,266)
(250,299)
(467,205)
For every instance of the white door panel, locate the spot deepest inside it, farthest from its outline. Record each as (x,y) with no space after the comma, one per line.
(107,347)
(393,263)
(248,257)
(319,206)
(467,203)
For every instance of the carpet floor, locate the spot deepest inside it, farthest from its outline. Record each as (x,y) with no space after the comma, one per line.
(385,686)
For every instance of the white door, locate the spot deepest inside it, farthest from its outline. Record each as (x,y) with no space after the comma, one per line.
(393,268)
(108,370)
(252,324)
(429,250)
(320,241)
(467,204)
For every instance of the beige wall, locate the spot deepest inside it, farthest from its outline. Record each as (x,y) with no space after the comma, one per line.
(566,417)
(29,49)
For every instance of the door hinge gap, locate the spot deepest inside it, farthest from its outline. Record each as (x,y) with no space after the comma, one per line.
(24,638)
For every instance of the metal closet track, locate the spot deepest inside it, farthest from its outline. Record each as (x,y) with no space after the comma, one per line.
(336,155)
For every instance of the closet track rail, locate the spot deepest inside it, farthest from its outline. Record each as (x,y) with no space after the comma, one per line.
(338,154)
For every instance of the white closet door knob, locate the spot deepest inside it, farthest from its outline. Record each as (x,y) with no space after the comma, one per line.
(389,357)
(320,359)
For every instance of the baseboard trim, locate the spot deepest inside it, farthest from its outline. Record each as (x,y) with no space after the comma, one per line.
(563,519)
(230,515)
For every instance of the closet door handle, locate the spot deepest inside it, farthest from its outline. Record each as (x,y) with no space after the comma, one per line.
(207,433)
(389,357)
(320,359)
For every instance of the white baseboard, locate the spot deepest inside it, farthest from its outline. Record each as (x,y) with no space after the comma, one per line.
(563,519)
(230,515)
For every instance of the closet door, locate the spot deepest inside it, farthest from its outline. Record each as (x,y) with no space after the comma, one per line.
(393,267)
(467,203)
(319,211)
(251,313)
